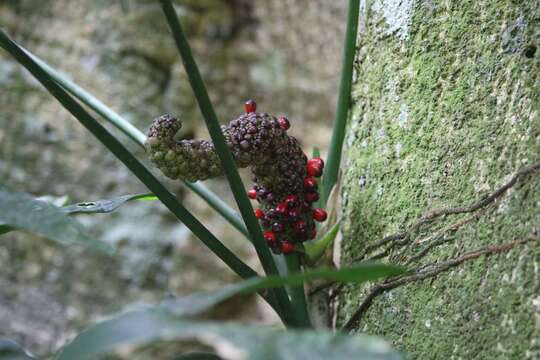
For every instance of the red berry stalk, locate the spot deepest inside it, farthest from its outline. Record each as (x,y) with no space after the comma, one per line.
(284,179)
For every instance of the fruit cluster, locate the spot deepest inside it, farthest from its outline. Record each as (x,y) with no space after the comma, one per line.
(284,180)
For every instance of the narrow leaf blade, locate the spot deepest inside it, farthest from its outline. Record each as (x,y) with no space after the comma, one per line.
(22,212)
(105,205)
(333,159)
(195,304)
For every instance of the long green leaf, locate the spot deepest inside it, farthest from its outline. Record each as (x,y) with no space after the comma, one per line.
(104,206)
(225,155)
(138,137)
(198,303)
(20,211)
(338,133)
(230,341)
(130,161)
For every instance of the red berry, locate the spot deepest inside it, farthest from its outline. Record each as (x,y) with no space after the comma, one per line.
(259,214)
(270,237)
(311,196)
(317,161)
(250,106)
(319,214)
(313,169)
(287,247)
(310,183)
(252,194)
(284,123)
(281,207)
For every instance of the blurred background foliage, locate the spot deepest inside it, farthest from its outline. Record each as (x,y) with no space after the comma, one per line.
(284,53)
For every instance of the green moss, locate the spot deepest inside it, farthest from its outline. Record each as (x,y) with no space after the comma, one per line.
(441,119)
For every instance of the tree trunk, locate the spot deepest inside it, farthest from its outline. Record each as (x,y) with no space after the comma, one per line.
(445,116)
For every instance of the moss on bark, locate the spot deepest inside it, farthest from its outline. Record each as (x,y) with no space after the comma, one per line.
(445,111)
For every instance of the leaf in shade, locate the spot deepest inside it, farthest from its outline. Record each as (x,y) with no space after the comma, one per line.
(230,341)
(20,211)
(104,206)
(10,350)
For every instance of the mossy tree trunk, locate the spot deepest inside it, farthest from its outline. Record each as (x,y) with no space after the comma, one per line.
(446,115)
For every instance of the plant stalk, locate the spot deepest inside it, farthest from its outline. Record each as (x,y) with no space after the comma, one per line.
(297,293)
(344,98)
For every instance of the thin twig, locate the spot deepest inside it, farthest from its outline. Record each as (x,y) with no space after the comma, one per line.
(438,238)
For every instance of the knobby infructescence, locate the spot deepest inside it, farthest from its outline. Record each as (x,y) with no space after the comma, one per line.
(284,179)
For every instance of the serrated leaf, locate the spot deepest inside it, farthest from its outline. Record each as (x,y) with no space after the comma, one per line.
(230,341)
(316,249)
(105,205)
(10,350)
(20,211)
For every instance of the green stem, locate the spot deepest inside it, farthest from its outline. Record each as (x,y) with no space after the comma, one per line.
(138,137)
(338,133)
(137,168)
(297,293)
(223,151)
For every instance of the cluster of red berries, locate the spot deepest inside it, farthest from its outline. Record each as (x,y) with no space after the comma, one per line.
(284,181)
(290,221)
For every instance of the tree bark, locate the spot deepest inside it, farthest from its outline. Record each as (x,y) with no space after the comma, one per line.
(443,177)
